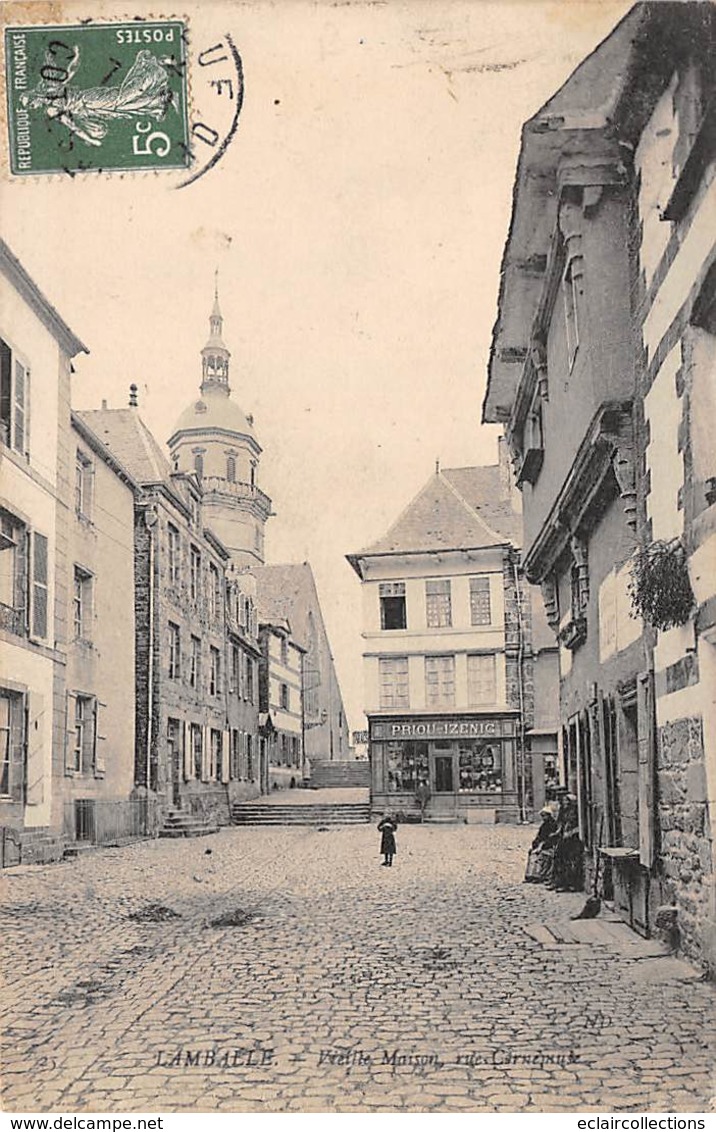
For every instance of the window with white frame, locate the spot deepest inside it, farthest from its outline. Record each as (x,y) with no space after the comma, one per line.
(82,603)
(173,555)
(438,611)
(440,681)
(194,573)
(215,591)
(83,485)
(174,651)
(480,611)
(14,539)
(12,744)
(250,757)
(481,679)
(196,739)
(393,677)
(214,671)
(392,605)
(235,759)
(249,679)
(216,755)
(14,400)
(195,663)
(83,735)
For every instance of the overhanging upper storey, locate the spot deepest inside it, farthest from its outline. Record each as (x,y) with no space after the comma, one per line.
(580,141)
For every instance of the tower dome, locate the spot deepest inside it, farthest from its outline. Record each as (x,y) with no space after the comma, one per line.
(215,439)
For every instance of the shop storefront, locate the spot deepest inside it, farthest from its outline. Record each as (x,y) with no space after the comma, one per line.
(465,765)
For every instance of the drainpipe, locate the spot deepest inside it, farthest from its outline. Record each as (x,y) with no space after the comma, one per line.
(303,716)
(150,521)
(521,694)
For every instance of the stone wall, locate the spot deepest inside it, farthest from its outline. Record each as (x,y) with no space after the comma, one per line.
(686,856)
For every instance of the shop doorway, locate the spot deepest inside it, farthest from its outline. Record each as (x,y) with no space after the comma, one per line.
(444,778)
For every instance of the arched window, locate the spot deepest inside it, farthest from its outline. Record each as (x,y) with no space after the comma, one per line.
(199,465)
(253,475)
(231,469)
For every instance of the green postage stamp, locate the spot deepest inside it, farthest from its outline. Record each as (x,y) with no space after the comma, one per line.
(97,97)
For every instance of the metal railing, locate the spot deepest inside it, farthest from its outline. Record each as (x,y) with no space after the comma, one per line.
(97,821)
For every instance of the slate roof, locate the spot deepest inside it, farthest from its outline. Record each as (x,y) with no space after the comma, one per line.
(483,490)
(283,594)
(125,434)
(458,509)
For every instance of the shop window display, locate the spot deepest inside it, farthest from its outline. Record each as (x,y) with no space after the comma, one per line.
(479,767)
(408,767)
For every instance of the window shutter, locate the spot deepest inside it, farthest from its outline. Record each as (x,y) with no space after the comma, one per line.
(27,413)
(647,769)
(18,739)
(39,585)
(205,754)
(18,442)
(35,752)
(99,740)
(21,575)
(69,731)
(224,757)
(5,392)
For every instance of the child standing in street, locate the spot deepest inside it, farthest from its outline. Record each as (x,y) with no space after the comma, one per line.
(387,827)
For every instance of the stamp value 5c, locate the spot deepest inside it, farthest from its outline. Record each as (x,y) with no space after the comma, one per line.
(97,97)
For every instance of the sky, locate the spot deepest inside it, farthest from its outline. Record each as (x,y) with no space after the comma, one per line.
(357,221)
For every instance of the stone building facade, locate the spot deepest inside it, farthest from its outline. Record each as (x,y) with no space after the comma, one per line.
(590,374)
(675,206)
(449,666)
(98,743)
(36,348)
(185,636)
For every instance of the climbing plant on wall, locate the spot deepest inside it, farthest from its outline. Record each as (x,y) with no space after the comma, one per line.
(660,587)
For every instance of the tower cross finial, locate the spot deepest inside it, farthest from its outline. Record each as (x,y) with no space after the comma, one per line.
(216,284)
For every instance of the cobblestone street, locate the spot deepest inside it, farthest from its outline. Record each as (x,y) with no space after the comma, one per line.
(342,986)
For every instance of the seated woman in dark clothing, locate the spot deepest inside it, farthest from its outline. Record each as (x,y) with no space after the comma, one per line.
(541,856)
(568,868)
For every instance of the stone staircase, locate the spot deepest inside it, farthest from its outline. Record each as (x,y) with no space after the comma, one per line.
(183,823)
(275,813)
(329,774)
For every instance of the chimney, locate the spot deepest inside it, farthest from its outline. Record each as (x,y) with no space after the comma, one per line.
(104,403)
(133,396)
